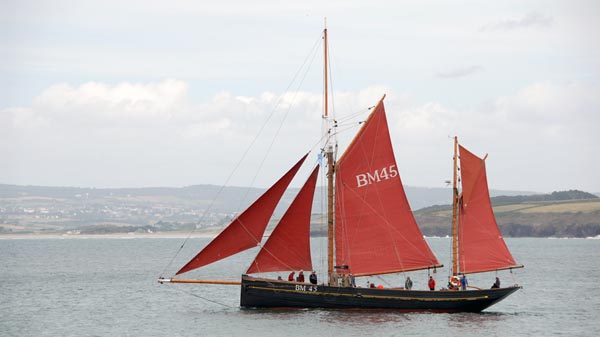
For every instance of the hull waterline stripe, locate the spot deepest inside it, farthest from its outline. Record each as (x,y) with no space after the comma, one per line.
(373,296)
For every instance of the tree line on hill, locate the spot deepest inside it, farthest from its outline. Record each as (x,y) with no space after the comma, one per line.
(554,196)
(569,222)
(100,211)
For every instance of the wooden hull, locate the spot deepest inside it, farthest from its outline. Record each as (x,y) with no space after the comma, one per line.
(265,293)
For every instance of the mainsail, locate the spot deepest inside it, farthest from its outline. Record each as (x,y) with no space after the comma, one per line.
(481,247)
(247,229)
(288,247)
(375,230)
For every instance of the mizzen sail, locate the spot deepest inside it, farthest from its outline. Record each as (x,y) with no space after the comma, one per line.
(247,229)
(375,230)
(288,247)
(481,246)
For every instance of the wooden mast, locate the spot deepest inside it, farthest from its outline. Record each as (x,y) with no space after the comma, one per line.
(330,165)
(455,201)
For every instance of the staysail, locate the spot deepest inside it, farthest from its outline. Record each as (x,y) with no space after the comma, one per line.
(288,247)
(481,246)
(247,229)
(375,230)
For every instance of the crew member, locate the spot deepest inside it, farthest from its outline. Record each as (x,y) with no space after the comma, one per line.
(431,283)
(313,277)
(497,283)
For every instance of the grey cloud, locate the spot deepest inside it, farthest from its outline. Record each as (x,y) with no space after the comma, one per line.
(533,19)
(459,72)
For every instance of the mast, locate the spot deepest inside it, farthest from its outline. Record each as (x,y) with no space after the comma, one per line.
(330,171)
(455,200)
(325,70)
(329,154)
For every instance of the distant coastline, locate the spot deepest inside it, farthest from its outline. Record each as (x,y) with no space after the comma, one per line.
(69,212)
(160,235)
(177,235)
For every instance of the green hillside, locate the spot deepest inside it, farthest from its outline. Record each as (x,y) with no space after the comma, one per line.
(39,210)
(532,216)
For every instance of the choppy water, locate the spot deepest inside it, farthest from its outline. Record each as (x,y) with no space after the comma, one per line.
(107,287)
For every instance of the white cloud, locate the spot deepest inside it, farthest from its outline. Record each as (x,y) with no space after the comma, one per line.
(140,134)
(459,72)
(100,104)
(531,20)
(542,138)
(148,134)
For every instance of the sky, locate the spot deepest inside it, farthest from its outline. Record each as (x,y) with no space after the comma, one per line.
(173,93)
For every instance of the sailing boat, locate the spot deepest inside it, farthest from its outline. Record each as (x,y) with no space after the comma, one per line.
(371,232)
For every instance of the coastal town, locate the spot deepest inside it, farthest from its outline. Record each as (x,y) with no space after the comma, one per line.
(200,209)
(104,213)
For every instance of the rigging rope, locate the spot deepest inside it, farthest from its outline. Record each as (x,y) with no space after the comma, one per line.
(236,167)
(383,280)
(512,275)
(204,298)
(267,152)
(274,254)
(351,115)
(275,108)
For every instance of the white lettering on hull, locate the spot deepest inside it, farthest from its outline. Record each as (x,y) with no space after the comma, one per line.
(305,288)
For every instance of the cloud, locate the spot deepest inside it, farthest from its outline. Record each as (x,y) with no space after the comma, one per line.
(459,72)
(141,134)
(101,104)
(538,115)
(541,138)
(534,19)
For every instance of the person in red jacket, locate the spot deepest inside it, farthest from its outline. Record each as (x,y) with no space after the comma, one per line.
(431,283)
(291,276)
(300,277)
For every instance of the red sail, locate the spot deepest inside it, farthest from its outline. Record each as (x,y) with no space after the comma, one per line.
(247,229)
(375,230)
(288,247)
(481,247)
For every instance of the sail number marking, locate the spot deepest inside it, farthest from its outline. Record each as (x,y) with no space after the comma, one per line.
(306,288)
(376,176)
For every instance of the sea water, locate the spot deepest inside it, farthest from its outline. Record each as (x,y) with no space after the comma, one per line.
(108,287)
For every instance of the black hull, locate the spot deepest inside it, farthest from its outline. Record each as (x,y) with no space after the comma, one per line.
(264,293)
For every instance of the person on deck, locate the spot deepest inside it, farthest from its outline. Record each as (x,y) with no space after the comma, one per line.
(431,283)
(300,277)
(291,276)
(496,284)
(408,283)
(313,277)
(454,283)
(463,282)
(335,279)
(345,281)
